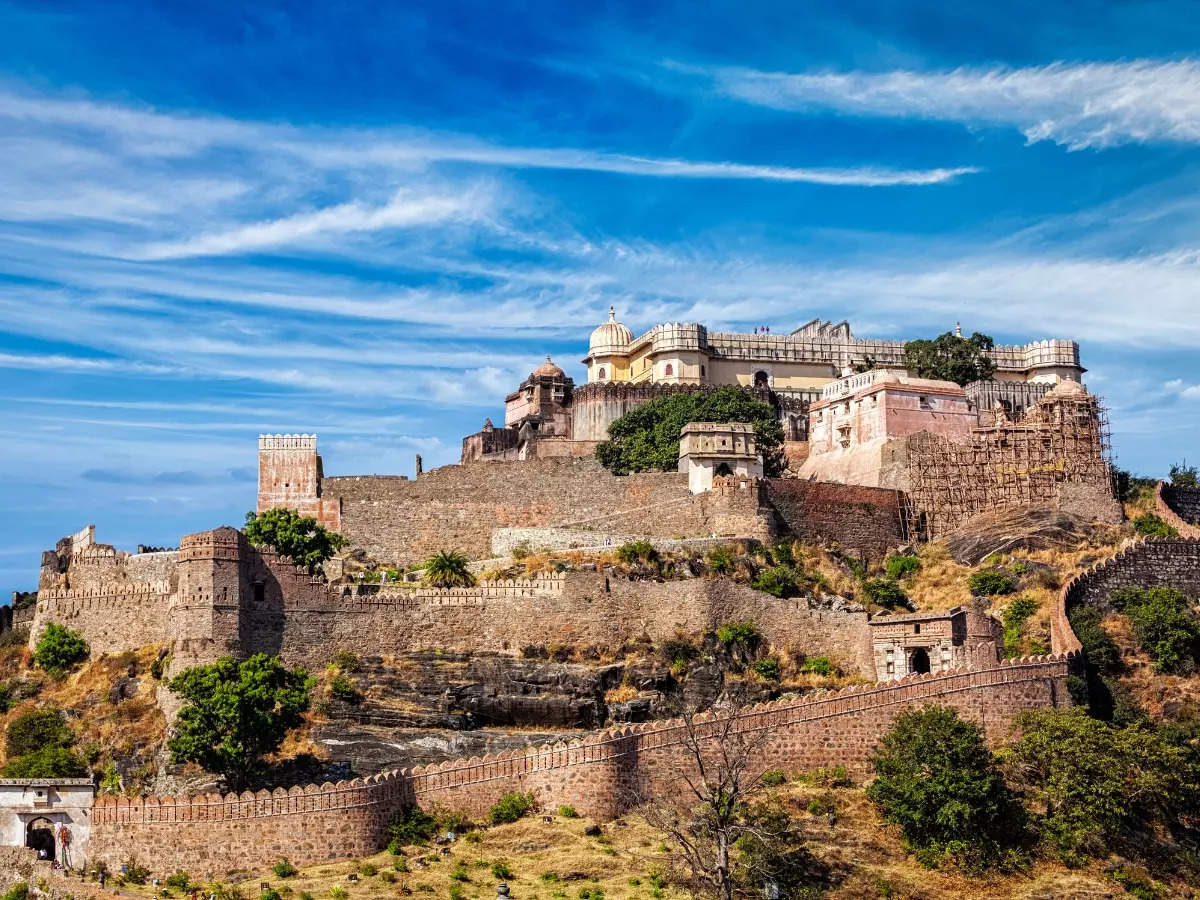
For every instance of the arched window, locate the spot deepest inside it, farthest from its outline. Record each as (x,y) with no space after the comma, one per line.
(919,661)
(602,375)
(669,370)
(761,379)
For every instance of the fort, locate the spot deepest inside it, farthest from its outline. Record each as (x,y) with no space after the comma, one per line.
(876,459)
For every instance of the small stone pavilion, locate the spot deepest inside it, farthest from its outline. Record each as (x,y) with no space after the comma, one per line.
(708,449)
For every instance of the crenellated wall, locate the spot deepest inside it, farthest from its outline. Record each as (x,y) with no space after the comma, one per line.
(1158,562)
(1179,507)
(601,775)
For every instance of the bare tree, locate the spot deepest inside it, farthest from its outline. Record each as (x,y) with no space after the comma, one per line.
(727,839)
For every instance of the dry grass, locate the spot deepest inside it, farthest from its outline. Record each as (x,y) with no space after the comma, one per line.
(864,859)
(132,728)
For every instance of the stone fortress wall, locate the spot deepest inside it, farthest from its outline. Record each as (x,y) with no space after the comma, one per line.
(229,597)
(1179,507)
(404,521)
(601,773)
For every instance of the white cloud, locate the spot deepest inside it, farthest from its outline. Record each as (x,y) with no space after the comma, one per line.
(406,209)
(1097,104)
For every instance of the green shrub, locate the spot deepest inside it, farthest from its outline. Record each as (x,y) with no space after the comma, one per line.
(568,812)
(1098,648)
(411,825)
(58,649)
(270,894)
(901,565)
(284,868)
(460,872)
(773,777)
(937,780)
(721,560)
(342,688)
(456,892)
(991,583)
(1015,618)
(1152,525)
(368,869)
(818,665)
(768,667)
(885,592)
(549,877)
(400,864)
(778,581)
(590,893)
(510,808)
(51,762)
(134,873)
(501,870)
(387,876)
(347,661)
(1164,625)
(637,551)
(338,892)
(740,635)
(37,730)
(19,891)
(180,880)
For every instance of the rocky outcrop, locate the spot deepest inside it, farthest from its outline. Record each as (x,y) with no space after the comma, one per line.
(1023,528)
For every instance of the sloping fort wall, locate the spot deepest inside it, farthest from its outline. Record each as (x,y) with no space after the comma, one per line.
(599,775)
(1179,507)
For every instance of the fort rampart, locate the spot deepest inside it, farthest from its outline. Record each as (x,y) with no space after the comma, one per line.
(600,775)
(225,596)
(1179,507)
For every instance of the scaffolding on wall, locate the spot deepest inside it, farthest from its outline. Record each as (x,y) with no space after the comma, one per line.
(1063,439)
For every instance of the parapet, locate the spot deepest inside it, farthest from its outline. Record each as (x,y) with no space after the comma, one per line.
(287,442)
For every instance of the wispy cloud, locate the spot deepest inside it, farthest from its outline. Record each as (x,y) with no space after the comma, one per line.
(406,209)
(1098,104)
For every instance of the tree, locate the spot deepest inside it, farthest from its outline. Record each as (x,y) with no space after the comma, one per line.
(727,840)
(939,782)
(1165,626)
(950,357)
(1183,475)
(59,648)
(1092,783)
(448,568)
(236,713)
(647,438)
(291,534)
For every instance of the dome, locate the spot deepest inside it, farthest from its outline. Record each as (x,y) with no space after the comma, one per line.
(611,335)
(549,368)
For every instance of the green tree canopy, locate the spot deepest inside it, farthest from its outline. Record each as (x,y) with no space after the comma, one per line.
(236,713)
(294,535)
(939,782)
(1183,475)
(647,438)
(1092,783)
(59,648)
(950,357)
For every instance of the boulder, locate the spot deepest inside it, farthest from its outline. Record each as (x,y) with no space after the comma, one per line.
(1020,528)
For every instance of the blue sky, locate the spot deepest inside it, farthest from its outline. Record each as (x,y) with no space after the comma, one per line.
(222,219)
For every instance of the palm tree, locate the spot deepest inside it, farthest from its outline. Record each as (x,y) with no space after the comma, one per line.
(448,568)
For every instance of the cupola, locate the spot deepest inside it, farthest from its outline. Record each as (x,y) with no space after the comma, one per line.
(611,337)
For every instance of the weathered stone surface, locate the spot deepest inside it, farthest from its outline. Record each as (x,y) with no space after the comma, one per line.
(1023,528)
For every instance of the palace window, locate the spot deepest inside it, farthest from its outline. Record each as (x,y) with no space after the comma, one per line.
(669,370)
(602,373)
(916,627)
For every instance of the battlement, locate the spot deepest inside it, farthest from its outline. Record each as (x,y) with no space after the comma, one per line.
(287,442)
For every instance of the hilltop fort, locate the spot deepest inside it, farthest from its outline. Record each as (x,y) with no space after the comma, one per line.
(877,458)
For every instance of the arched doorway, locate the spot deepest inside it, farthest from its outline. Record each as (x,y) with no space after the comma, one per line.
(39,836)
(761,379)
(919,661)
(723,470)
